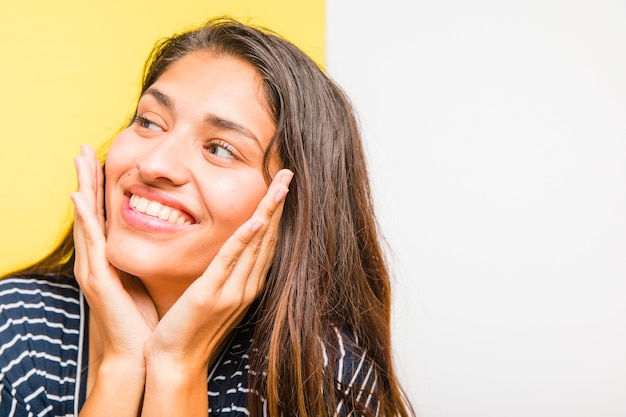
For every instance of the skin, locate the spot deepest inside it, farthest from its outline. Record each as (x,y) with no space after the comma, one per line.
(178,152)
(163,295)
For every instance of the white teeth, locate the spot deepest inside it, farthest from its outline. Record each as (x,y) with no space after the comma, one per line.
(140,203)
(165,212)
(174,216)
(155,209)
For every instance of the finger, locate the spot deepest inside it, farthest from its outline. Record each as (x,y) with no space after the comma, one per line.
(270,234)
(93,272)
(265,256)
(251,266)
(231,255)
(90,246)
(84,202)
(80,255)
(85,177)
(90,178)
(81,263)
(97,176)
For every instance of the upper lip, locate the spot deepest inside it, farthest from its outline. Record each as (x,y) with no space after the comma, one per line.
(159,196)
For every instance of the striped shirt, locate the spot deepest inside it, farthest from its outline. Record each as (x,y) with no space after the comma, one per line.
(43,356)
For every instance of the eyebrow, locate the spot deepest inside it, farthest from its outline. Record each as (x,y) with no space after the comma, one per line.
(160,97)
(211,119)
(226,124)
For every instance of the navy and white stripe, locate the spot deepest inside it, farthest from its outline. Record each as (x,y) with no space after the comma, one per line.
(43,345)
(228,379)
(355,375)
(40,341)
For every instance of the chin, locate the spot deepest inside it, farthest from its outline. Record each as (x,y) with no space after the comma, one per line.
(153,264)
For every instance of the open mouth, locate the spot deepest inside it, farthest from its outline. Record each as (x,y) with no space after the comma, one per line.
(159,210)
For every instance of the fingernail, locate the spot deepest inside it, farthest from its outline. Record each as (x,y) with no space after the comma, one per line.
(280,194)
(287,176)
(256,226)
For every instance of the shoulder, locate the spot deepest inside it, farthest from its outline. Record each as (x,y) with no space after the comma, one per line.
(42,299)
(39,336)
(35,309)
(26,301)
(355,372)
(43,288)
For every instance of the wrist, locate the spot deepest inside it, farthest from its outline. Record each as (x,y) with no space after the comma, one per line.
(175,367)
(175,387)
(117,389)
(126,368)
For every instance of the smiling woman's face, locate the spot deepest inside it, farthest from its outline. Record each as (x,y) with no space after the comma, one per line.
(189,170)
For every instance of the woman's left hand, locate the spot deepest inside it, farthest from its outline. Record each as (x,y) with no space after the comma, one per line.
(182,343)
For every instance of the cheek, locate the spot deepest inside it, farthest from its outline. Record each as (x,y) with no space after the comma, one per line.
(118,161)
(233,200)
(120,154)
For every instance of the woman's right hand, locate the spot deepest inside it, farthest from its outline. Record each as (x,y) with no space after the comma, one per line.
(124,311)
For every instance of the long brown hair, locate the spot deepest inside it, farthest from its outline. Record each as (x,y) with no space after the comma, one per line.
(329,271)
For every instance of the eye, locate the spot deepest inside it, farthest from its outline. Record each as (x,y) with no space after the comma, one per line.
(146,123)
(220,149)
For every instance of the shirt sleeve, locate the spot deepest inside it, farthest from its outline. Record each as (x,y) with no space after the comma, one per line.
(39,337)
(356,378)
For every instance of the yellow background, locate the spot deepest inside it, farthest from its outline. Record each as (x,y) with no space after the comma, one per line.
(69,74)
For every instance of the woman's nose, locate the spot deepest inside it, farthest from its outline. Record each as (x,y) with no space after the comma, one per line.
(164,161)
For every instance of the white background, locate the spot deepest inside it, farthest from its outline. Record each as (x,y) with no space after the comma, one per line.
(496,132)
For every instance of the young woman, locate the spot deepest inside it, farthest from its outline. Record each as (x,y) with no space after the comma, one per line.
(230,262)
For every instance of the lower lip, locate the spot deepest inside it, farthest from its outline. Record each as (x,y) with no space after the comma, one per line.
(147,223)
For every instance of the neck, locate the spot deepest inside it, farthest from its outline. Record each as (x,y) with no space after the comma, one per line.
(154,293)
(162,293)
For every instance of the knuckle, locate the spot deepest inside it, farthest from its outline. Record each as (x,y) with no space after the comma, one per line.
(243,240)
(229,262)
(272,239)
(256,249)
